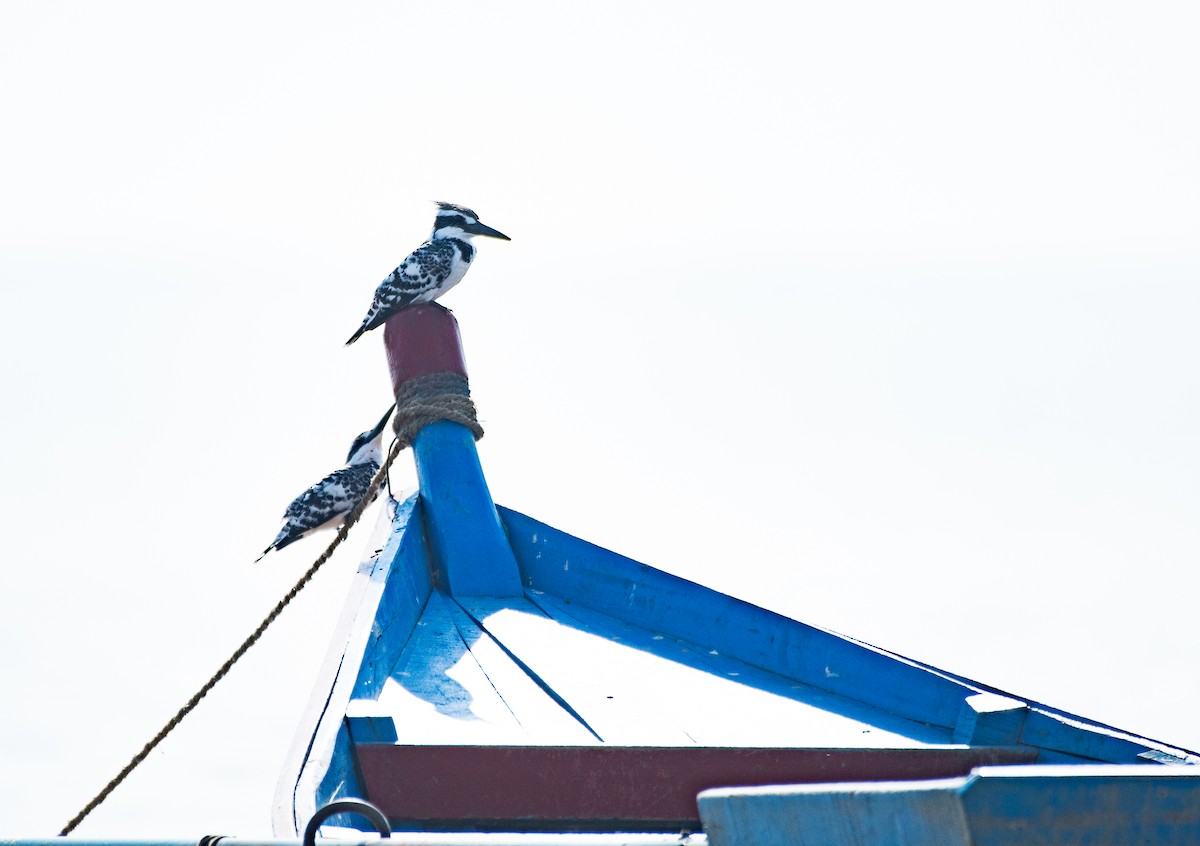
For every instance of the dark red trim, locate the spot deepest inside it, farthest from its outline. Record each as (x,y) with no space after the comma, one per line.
(420,340)
(615,787)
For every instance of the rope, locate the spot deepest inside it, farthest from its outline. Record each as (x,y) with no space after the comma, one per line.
(427,399)
(351,519)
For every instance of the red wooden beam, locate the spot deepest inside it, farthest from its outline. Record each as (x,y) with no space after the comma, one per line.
(618,788)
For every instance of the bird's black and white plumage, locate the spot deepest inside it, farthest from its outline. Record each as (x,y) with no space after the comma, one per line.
(325,504)
(432,269)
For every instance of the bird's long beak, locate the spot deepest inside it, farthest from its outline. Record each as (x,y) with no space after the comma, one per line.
(481,229)
(379,426)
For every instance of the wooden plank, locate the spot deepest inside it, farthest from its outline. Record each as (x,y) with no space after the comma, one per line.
(1085,740)
(924,813)
(558,564)
(614,788)
(1076,805)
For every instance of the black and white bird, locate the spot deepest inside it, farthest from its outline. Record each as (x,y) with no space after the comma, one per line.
(432,269)
(325,504)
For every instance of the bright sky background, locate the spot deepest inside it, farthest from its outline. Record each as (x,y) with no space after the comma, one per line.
(885,316)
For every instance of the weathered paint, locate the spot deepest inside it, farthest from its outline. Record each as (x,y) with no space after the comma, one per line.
(515,670)
(399,590)
(640,687)
(1076,737)
(988,718)
(452,684)
(466,537)
(420,340)
(614,788)
(1094,805)
(994,806)
(581,573)
(320,765)
(923,813)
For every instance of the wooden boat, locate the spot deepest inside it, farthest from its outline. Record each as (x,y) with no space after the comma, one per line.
(492,673)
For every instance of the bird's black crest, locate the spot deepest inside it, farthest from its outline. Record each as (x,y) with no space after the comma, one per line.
(450,207)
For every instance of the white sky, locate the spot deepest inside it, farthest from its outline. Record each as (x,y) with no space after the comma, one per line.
(881,315)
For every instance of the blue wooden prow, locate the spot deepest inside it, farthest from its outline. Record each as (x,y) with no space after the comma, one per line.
(495,672)
(472,556)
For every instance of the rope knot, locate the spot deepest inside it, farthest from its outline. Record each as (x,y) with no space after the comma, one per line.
(427,399)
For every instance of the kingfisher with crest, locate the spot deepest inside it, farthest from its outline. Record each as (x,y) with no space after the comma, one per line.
(431,269)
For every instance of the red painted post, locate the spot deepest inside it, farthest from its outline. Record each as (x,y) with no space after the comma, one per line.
(421,340)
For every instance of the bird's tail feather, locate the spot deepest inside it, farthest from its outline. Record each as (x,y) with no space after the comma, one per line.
(284,538)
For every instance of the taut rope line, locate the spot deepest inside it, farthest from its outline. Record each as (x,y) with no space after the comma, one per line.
(351,519)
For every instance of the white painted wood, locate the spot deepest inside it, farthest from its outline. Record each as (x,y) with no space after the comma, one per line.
(637,687)
(733,703)
(984,703)
(312,748)
(927,813)
(453,685)
(544,720)
(600,679)
(989,719)
(437,692)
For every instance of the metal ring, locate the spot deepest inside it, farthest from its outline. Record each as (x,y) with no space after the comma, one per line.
(346,806)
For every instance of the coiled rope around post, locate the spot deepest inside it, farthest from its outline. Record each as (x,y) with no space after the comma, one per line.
(429,398)
(351,519)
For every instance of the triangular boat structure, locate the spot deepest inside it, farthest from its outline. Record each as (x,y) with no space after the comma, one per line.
(492,673)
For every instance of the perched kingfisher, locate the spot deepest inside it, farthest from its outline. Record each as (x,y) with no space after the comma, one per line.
(325,504)
(432,269)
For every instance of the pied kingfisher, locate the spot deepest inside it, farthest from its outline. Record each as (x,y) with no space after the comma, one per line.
(325,504)
(432,269)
